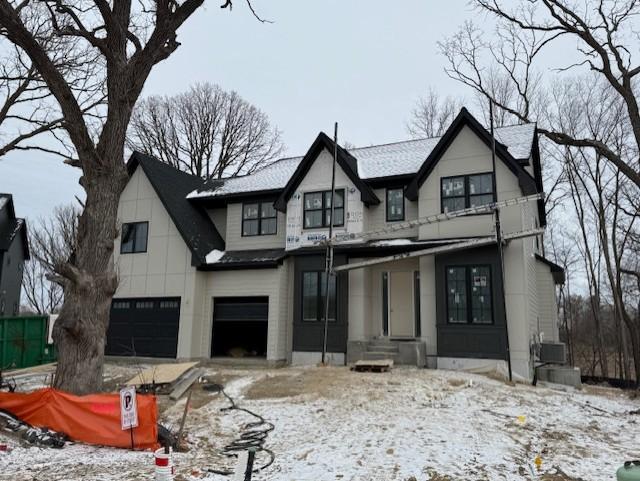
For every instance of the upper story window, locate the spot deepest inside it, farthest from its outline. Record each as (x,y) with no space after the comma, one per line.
(259,218)
(317,209)
(134,237)
(464,191)
(469,295)
(395,204)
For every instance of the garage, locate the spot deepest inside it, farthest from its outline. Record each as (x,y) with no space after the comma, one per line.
(240,326)
(144,327)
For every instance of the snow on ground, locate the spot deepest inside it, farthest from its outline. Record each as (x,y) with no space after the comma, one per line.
(334,424)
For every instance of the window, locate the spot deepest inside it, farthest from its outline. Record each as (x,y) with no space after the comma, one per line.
(134,237)
(314,286)
(120,305)
(259,218)
(395,204)
(317,209)
(469,295)
(466,191)
(169,304)
(144,304)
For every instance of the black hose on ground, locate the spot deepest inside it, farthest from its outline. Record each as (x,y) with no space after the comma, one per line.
(254,434)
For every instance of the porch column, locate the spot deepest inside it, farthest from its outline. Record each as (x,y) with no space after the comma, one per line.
(359,304)
(428,308)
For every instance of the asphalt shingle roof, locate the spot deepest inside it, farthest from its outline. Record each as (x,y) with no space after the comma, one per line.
(387,160)
(172,186)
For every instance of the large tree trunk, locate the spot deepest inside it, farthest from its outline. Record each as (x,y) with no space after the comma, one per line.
(80,331)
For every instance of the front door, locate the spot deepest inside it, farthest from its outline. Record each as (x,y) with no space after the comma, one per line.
(401,315)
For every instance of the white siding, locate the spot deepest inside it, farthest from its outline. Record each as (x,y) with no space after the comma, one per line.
(165,269)
(375,217)
(272,283)
(467,154)
(547,307)
(318,178)
(235,241)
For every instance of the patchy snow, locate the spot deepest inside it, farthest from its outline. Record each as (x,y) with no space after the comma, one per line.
(214,256)
(331,423)
(385,160)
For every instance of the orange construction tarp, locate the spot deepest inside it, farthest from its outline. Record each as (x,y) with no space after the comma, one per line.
(92,419)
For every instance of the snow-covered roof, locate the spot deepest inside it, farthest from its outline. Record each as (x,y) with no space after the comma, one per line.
(386,160)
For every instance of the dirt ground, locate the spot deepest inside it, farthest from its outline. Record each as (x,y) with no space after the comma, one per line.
(335,424)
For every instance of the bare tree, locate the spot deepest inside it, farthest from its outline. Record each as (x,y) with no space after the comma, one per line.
(432,115)
(129,39)
(205,131)
(525,29)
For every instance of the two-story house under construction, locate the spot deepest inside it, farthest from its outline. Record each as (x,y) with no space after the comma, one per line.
(237,266)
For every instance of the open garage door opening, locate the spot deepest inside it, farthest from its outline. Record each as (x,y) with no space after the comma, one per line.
(240,327)
(144,327)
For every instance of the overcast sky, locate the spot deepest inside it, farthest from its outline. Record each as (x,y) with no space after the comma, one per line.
(362,63)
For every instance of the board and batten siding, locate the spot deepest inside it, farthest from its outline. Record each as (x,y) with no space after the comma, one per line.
(271,283)
(235,241)
(467,154)
(165,270)
(375,217)
(318,178)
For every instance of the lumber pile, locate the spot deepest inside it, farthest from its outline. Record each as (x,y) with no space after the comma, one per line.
(378,365)
(173,378)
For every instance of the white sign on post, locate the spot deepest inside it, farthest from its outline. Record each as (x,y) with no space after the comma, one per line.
(128,408)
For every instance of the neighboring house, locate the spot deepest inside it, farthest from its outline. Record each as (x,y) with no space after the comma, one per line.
(209,267)
(14,251)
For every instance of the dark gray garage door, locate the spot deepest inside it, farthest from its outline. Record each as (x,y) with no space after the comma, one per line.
(145,327)
(240,326)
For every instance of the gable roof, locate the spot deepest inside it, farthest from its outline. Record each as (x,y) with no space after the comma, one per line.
(345,160)
(556,271)
(376,162)
(464,118)
(172,186)
(14,227)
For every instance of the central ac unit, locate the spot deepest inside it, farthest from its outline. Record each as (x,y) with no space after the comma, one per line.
(553,352)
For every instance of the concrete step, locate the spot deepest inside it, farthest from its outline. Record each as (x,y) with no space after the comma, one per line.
(378,355)
(382,347)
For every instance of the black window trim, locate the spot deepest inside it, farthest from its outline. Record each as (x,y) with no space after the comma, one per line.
(259,218)
(467,285)
(324,208)
(321,302)
(467,196)
(386,204)
(146,245)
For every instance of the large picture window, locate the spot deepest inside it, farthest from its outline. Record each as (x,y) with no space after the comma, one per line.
(395,204)
(259,218)
(469,295)
(134,237)
(464,191)
(314,286)
(317,209)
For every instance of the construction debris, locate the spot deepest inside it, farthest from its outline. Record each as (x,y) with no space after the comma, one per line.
(42,437)
(161,374)
(379,365)
(185,383)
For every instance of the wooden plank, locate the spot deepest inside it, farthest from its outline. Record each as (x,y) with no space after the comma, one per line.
(161,374)
(377,365)
(185,383)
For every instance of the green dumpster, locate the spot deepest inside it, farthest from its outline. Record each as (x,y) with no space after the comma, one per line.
(23,342)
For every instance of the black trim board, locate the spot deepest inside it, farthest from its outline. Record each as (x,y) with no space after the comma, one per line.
(346,161)
(173,186)
(464,118)
(481,341)
(556,270)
